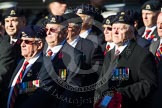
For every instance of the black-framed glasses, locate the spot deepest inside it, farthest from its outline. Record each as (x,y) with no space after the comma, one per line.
(29,42)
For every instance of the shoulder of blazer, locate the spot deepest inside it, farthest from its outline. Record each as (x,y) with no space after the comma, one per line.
(141,30)
(16,70)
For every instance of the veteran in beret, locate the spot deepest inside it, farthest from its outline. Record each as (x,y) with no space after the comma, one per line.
(14,20)
(150,11)
(61,64)
(90,30)
(107,25)
(129,81)
(93,56)
(24,80)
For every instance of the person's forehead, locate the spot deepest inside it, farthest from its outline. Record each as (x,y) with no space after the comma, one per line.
(147,11)
(105,25)
(11,18)
(27,38)
(53,25)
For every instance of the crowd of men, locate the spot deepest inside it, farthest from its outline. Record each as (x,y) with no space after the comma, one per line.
(80,59)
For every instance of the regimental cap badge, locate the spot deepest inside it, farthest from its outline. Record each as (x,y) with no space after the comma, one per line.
(108,22)
(161,9)
(80,11)
(122,13)
(23,34)
(53,20)
(148,7)
(121,18)
(12,12)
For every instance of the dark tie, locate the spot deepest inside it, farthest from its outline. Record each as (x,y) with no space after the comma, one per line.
(49,52)
(158,53)
(15,90)
(147,33)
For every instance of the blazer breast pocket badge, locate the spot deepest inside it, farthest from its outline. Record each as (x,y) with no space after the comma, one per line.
(120,74)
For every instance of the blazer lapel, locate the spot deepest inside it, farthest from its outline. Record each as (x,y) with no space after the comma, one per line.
(16,71)
(154,46)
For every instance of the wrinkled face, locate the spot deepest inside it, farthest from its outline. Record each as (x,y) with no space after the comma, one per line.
(57,8)
(119,33)
(55,34)
(13,25)
(30,47)
(159,25)
(108,33)
(149,18)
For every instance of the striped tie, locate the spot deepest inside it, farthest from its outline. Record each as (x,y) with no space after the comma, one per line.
(147,33)
(15,90)
(158,53)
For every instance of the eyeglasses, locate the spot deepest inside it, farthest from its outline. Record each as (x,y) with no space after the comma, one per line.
(54,30)
(27,41)
(108,28)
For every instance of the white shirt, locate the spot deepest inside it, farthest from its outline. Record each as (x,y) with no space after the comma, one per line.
(74,42)
(31,62)
(112,45)
(85,34)
(121,48)
(152,30)
(55,49)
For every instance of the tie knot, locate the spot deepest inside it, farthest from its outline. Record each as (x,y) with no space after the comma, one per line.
(117,52)
(107,47)
(26,63)
(148,31)
(49,52)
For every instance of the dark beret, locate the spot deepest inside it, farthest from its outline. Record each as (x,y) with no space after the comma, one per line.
(55,19)
(13,12)
(33,31)
(152,5)
(109,20)
(73,18)
(60,1)
(87,10)
(123,18)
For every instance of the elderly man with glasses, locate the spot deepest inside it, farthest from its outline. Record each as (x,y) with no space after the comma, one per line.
(24,80)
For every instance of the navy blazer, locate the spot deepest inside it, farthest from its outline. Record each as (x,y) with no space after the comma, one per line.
(31,75)
(142,77)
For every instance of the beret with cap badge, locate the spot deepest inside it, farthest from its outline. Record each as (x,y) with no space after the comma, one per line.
(109,20)
(55,19)
(123,18)
(13,12)
(33,31)
(151,5)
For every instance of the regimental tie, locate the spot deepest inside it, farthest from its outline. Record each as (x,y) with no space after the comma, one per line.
(158,53)
(49,52)
(15,91)
(107,49)
(147,34)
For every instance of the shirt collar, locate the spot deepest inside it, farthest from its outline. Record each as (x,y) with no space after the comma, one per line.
(85,34)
